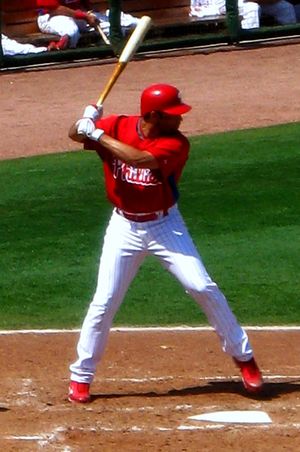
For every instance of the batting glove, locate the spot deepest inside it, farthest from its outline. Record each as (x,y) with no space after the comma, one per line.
(93,112)
(96,134)
(85,126)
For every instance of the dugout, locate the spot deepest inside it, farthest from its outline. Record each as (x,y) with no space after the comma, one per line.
(172,28)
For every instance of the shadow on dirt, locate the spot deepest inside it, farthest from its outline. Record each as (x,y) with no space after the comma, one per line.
(2,409)
(275,390)
(270,391)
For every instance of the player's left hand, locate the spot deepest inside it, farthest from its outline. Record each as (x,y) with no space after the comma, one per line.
(93,112)
(96,134)
(86,127)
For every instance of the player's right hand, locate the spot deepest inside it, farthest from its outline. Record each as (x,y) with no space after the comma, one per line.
(92,20)
(85,126)
(93,112)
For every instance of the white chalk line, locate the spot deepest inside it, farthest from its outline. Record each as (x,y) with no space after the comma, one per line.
(151,329)
(27,397)
(58,435)
(43,439)
(46,438)
(193,377)
(26,437)
(277,426)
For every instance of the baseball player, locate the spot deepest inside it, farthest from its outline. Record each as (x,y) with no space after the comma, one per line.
(66,18)
(143,158)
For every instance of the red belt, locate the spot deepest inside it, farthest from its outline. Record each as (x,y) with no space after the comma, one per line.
(141,217)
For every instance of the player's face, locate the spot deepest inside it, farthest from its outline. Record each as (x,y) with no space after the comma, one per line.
(169,123)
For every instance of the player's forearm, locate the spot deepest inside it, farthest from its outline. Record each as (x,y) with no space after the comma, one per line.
(65,11)
(74,135)
(62,11)
(129,154)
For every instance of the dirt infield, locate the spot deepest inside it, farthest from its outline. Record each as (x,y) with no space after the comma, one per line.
(228,90)
(146,388)
(150,383)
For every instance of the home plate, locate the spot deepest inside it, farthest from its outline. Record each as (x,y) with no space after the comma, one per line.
(235,417)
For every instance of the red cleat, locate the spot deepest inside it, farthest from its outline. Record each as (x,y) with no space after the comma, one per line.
(62,44)
(251,375)
(79,392)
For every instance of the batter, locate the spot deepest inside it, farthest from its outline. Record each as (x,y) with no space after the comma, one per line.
(143,159)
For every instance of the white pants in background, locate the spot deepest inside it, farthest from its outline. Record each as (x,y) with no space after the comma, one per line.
(250,12)
(126,244)
(62,25)
(282,11)
(11,47)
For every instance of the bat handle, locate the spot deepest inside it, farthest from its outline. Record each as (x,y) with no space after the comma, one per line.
(118,70)
(102,34)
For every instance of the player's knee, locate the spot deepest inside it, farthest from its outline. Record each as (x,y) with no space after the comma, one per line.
(74,38)
(73,32)
(103,306)
(202,290)
(197,289)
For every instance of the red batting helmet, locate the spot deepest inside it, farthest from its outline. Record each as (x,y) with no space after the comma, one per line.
(162,97)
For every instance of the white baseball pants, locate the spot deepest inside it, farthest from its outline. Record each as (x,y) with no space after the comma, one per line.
(62,25)
(126,244)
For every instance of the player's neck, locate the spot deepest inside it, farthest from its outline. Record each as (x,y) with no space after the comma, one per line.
(147,129)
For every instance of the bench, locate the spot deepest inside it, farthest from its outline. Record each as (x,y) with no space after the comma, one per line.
(165,14)
(19,19)
(170,18)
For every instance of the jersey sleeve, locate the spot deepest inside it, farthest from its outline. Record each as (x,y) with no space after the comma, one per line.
(48,4)
(108,124)
(171,153)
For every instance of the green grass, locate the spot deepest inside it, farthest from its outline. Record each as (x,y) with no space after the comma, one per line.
(240,199)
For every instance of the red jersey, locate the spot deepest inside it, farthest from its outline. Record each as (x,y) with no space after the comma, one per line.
(49,5)
(141,190)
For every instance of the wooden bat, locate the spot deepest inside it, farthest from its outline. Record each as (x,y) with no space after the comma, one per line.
(100,31)
(102,34)
(129,50)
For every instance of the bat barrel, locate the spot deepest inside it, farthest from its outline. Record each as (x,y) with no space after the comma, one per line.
(136,38)
(127,53)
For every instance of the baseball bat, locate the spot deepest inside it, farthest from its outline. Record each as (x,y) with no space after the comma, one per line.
(102,34)
(127,53)
(100,31)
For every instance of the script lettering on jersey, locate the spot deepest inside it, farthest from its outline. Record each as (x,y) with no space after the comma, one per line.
(132,175)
